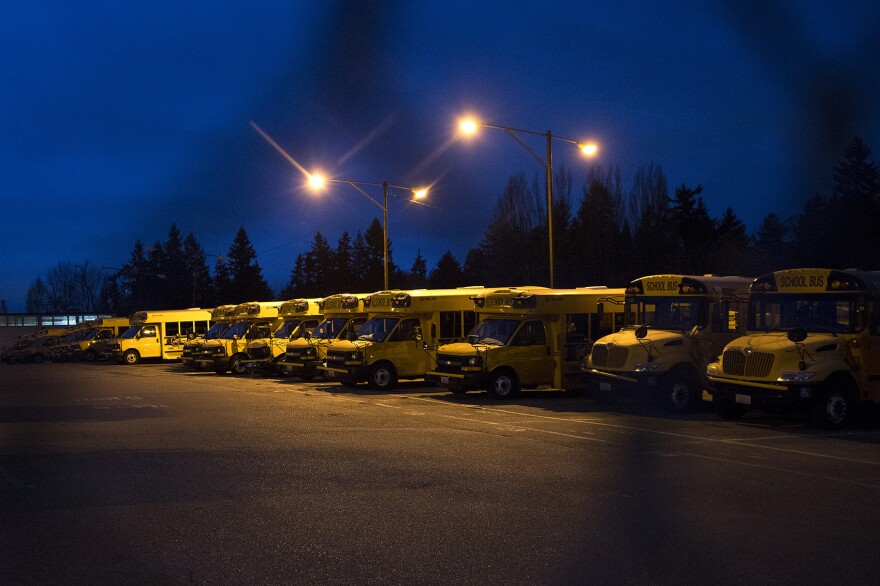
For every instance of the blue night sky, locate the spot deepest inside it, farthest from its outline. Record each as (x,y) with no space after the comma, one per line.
(120,118)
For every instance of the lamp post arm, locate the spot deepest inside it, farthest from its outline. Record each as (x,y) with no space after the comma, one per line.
(361,191)
(513,132)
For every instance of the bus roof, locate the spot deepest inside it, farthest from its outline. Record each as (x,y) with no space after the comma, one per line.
(170,314)
(672,284)
(422,300)
(344,303)
(295,307)
(543,300)
(257,309)
(816,280)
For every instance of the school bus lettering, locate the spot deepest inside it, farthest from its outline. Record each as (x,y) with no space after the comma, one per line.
(661,286)
(498,301)
(802,281)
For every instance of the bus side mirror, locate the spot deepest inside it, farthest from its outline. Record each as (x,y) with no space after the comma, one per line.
(352,336)
(307,335)
(600,309)
(797,335)
(641,332)
(433,331)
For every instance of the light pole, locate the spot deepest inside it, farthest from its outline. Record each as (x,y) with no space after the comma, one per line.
(317,181)
(470,126)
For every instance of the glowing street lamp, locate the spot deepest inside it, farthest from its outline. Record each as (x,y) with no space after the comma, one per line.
(317,181)
(470,126)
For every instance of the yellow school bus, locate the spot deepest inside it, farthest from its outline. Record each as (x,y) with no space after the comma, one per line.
(529,337)
(228,352)
(813,344)
(63,351)
(399,337)
(89,346)
(343,313)
(41,344)
(300,316)
(158,334)
(675,326)
(222,317)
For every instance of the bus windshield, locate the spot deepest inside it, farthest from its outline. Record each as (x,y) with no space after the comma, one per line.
(130,333)
(666,312)
(329,329)
(216,330)
(237,330)
(287,328)
(838,314)
(377,329)
(494,332)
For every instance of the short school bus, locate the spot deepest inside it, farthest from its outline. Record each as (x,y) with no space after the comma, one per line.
(344,313)
(813,344)
(159,334)
(88,347)
(299,316)
(675,326)
(529,337)
(222,317)
(399,338)
(252,320)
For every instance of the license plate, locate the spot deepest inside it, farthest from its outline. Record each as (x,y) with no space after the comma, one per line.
(744,399)
(604,386)
(331,374)
(444,380)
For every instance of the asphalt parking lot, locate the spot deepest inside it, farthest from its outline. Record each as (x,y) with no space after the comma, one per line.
(152,474)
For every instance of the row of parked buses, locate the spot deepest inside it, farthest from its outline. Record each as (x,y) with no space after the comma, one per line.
(795,339)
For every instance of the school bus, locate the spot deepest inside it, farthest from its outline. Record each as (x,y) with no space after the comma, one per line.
(40,346)
(88,347)
(675,326)
(813,344)
(398,339)
(528,337)
(343,313)
(300,316)
(63,351)
(158,334)
(222,317)
(228,352)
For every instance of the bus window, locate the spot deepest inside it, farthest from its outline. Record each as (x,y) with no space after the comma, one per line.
(172,328)
(530,334)
(201,327)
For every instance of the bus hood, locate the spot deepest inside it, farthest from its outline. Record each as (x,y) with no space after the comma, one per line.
(779,342)
(656,338)
(463,349)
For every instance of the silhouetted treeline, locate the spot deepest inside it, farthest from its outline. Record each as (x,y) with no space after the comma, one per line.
(612,236)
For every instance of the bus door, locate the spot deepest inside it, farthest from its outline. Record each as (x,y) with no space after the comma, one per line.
(531,352)
(404,350)
(149,343)
(871,351)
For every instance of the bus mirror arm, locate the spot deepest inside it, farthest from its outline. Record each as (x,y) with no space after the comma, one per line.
(695,330)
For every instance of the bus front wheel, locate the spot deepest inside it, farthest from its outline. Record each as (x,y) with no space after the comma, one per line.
(131,357)
(504,384)
(382,377)
(834,406)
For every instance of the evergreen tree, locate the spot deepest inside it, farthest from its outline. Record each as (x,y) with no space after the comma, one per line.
(344,277)
(197,272)
(732,246)
(222,282)
(374,267)
(652,237)
(855,204)
(447,274)
(693,252)
(418,272)
(246,276)
(771,248)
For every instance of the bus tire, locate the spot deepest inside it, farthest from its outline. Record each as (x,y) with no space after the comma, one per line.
(834,406)
(504,384)
(382,376)
(681,391)
(90,356)
(727,409)
(131,357)
(236,365)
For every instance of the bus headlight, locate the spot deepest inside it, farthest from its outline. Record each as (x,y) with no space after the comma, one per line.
(712,369)
(645,367)
(796,377)
(473,361)
(356,355)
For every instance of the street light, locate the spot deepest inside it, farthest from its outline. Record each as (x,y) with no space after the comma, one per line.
(469,126)
(317,181)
